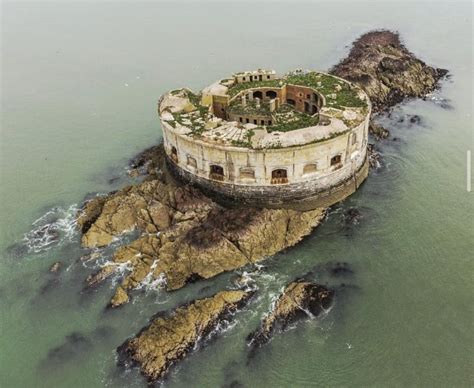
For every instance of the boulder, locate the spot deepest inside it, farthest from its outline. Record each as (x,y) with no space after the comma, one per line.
(168,339)
(300,299)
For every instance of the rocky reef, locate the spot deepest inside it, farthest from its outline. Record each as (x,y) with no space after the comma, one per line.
(299,299)
(170,338)
(387,70)
(185,236)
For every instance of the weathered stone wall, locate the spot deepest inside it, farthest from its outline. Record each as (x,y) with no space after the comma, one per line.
(300,196)
(197,157)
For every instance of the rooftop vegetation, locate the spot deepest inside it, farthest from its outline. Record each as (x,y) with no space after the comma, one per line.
(327,85)
(293,120)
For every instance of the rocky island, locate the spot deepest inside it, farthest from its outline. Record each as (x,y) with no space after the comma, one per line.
(185,235)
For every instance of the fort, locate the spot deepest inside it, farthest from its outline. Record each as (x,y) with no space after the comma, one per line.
(297,140)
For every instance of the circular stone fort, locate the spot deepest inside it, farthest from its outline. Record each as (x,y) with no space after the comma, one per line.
(295,141)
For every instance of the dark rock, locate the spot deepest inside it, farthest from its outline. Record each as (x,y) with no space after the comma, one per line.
(168,339)
(300,299)
(388,72)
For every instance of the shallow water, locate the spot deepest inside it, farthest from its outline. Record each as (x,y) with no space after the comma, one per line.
(80,82)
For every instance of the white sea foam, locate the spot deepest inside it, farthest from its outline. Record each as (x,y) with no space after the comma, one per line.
(55,227)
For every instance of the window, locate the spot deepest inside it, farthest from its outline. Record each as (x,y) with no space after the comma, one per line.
(255,122)
(308,96)
(262,122)
(306,107)
(279,176)
(191,162)
(335,160)
(243,79)
(247,173)
(269,122)
(216,172)
(268,77)
(290,101)
(310,169)
(247,120)
(174,154)
(240,119)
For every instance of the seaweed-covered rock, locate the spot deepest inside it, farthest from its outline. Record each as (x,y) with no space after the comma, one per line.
(388,72)
(299,299)
(168,339)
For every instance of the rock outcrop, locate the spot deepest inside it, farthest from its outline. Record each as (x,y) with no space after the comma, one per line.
(168,339)
(185,236)
(387,71)
(300,299)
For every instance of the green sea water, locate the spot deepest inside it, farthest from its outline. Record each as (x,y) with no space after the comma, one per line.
(80,82)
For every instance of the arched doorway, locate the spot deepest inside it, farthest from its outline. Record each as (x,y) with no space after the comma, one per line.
(336,160)
(216,172)
(271,94)
(258,94)
(279,176)
(174,154)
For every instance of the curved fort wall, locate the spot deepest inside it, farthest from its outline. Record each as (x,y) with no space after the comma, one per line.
(306,176)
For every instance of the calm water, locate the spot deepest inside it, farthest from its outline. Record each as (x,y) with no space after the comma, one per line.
(80,82)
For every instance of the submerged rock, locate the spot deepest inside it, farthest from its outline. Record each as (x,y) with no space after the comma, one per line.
(378,131)
(169,339)
(55,267)
(388,72)
(299,299)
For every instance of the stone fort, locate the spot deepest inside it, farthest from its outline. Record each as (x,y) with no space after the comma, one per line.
(297,140)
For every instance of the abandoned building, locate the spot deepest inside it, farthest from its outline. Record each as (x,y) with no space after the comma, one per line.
(297,140)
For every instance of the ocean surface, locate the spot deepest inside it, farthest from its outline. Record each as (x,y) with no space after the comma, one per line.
(80,82)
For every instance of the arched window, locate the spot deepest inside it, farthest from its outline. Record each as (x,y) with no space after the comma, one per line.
(216,172)
(191,162)
(310,168)
(271,94)
(306,107)
(247,173)
(279,176)
(174,154)
(336,160)
(290,101)
(258,94)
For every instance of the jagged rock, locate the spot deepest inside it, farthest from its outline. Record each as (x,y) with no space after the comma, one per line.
(198,238)
(120,298)
(55,267)
(374,157)
(147,162)
(169,339)
(378,131)
(388,72)
(299,299)
(90,211)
